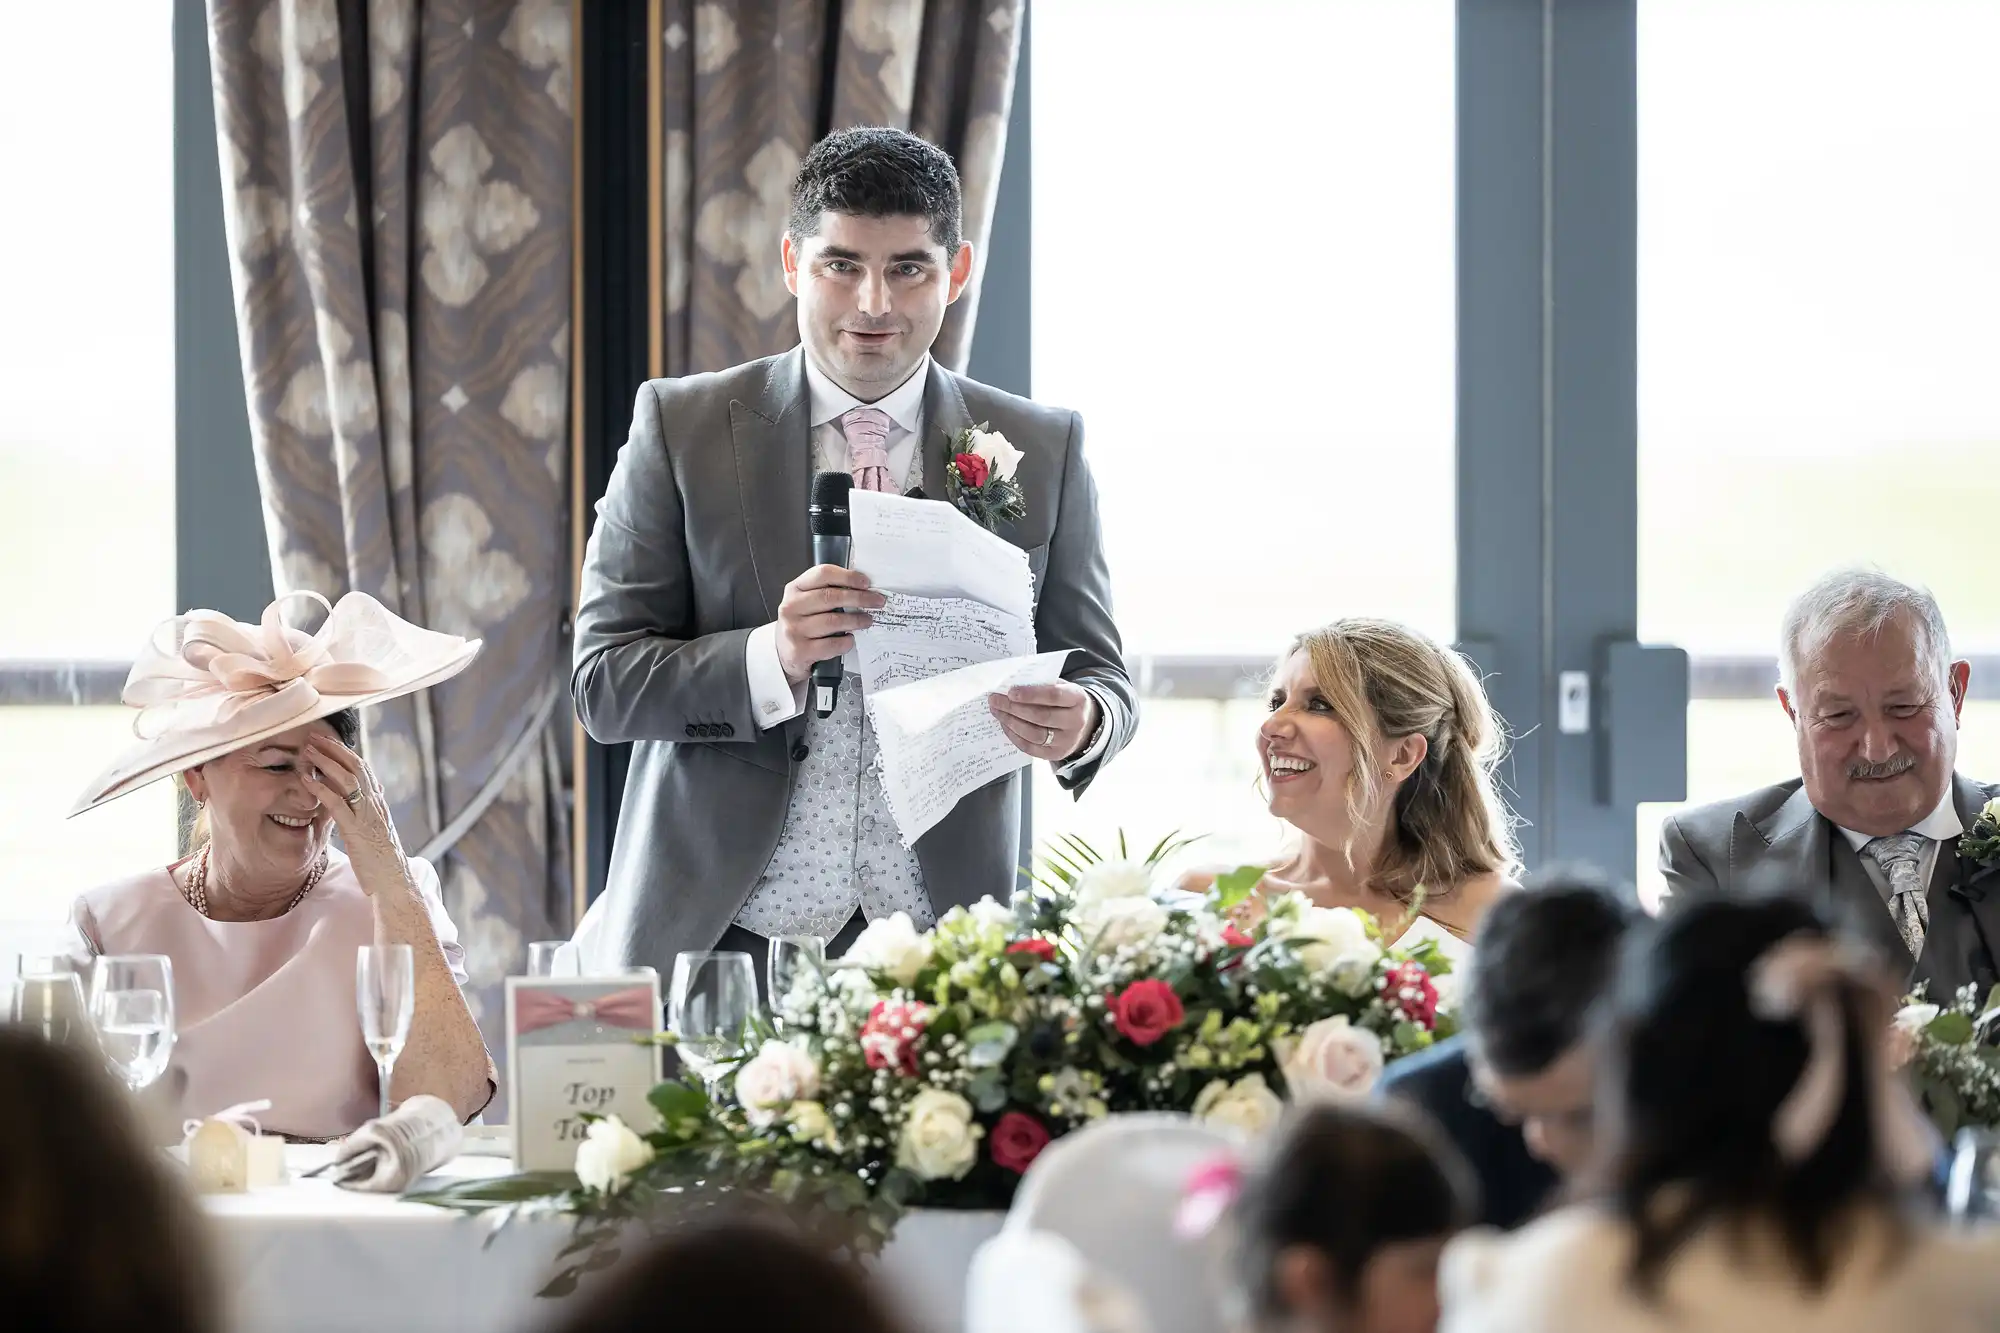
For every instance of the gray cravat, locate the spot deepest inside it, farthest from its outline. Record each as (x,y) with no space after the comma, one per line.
(1901,857)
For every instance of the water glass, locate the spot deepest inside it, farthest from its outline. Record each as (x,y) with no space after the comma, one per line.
(132,1004)
(385,992)
(791,957)
(1972,1194)
(552,958)
(713,997)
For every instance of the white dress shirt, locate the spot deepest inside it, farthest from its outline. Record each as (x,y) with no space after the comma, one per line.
(776,699)
(1940,826)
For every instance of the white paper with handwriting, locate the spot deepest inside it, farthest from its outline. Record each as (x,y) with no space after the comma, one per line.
(940,740)
(959,625)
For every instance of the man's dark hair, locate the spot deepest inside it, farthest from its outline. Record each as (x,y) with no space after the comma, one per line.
(1545,956)
(878,173)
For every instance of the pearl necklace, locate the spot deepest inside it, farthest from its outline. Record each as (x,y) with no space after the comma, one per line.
(196,891)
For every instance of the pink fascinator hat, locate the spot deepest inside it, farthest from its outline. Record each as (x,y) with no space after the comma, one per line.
(206,685)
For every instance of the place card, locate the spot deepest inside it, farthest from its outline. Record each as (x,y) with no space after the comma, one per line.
(578,1046)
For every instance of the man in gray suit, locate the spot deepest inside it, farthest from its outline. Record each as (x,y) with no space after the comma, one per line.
(1871,827)
(746,816)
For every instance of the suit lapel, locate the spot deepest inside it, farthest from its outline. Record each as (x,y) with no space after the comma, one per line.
(772,436)
(944,417)
(1975,886)
(1797,850)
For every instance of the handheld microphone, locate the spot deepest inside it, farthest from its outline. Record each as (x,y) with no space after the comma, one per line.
(832,535)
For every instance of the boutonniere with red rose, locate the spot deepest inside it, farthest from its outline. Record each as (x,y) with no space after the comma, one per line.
(979,479)
(1981,843)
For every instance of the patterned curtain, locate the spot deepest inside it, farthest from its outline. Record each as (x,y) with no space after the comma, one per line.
(397,189)
(748,86)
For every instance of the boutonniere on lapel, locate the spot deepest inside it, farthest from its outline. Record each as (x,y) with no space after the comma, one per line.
(979,479)
(1980,844)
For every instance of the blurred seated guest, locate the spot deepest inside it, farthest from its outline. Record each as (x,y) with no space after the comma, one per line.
(1379,750)
(1340,1226)
(263,919)
(1759,1156)
(1871,826)
(95,1233)
(1514,1090)
(733,1273)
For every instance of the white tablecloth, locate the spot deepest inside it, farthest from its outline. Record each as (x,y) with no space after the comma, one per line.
(307,1257)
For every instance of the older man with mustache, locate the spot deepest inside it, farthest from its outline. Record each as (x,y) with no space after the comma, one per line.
(1871,826)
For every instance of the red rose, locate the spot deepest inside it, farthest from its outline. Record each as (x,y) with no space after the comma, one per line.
(1409,988)
(1041,949)
(1017,1140)
(889,1037)
(1233,936)
(1147,1011)
(971,469)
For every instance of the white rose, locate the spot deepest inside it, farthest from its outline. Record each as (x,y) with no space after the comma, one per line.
(1001,457)
(1332,1059)
(891,945)
(773,1079)
(1248,1104)
(1916,1017)
(809,1122)
(1112,879)
(939,1140)
(1116,923)
(991,914)
(1333,942)
(609,1154)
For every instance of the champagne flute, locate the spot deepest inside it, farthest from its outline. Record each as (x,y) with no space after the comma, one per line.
(1972,1193)
(385,991)
(792,956)
(713,997)
(132,1003)
(544,956)
(48,1000)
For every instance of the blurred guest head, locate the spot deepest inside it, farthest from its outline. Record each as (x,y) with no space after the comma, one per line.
(95,1233)
(1381,742)
(739,1272)
(874,253)
(1546,956)
(1868,679)
(1745,1082)
(1341,1225)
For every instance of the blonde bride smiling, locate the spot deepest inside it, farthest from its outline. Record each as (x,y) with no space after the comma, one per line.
(1379,751)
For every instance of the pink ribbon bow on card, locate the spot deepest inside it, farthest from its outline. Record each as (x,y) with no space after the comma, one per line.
(538,1009)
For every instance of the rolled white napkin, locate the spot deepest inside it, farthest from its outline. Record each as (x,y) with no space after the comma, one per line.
(389,1154)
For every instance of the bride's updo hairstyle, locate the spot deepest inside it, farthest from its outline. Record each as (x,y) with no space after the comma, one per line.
(1384,682)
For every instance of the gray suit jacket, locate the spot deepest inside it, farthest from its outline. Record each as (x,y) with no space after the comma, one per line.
(700,529)
(1774,841)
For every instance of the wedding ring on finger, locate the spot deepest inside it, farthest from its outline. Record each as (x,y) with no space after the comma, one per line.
(1048,736)
(353,799)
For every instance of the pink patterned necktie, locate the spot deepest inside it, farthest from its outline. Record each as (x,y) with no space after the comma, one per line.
(867,432)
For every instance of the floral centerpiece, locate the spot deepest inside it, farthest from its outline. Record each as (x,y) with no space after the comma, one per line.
(931,1068)
(1947,1052)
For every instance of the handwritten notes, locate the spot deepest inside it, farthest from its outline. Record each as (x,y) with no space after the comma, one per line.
(959,625)
(940,739)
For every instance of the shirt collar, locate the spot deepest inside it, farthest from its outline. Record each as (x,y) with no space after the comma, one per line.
(904,403)
(1940,825)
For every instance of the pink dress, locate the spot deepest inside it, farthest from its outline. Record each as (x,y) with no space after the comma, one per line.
(263,1009)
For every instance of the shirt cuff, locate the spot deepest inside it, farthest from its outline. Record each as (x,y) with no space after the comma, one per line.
(774,699)
(1099,740)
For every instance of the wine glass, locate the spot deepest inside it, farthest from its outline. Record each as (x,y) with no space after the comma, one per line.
(552,958)
(48,1000)
(385,991)
(713,997)
(1972,1194)
(792,956)
(132,1003)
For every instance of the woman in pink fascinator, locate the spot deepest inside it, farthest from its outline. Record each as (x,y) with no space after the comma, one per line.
(262,920)
(1761,1165)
